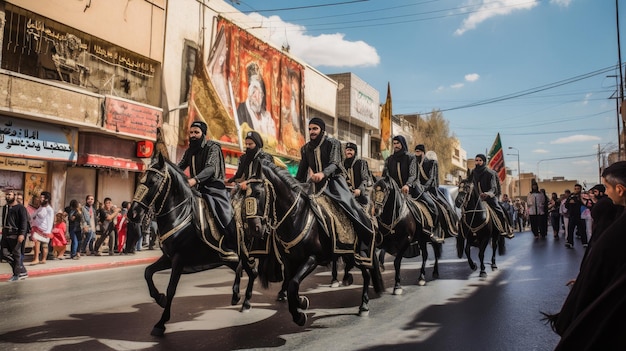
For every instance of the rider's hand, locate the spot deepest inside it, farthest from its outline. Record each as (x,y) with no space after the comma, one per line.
(192,182)
(357,192)
(405,189)
(317,177)
(243,185)
(484,196)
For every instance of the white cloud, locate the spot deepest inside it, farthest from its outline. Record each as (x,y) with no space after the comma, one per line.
(482,10)
(586,99)
(457,86)
(575,139)
(541,151)
(563,3)
(581,162)
(330,50)
(472,77)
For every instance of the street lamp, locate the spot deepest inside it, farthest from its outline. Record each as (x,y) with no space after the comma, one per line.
(519,179)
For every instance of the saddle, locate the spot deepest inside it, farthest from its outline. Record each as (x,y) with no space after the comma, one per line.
(336,223)
(206,224)
(421,214)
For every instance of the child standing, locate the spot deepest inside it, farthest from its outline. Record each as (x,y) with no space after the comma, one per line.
(59,241)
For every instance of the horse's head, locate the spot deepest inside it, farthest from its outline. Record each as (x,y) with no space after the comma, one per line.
(466,186)
(381,190)
(152,191)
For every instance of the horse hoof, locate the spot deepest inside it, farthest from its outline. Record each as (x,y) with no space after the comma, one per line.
(435,275)
(334,284)
(246,307)
(483,274)
(304,302)
(473,267)
(494,267)
(421,282)
(348,280)
(397,291)
(235,300)
(281,297)
(381,267)
(301,320)
(157,331)
(364,312)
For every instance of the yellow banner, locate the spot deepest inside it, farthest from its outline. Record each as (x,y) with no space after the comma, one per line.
(385,124)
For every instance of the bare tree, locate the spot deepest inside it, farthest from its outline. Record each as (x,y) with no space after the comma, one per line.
(433,131)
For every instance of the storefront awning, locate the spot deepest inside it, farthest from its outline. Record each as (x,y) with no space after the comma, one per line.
(95,160)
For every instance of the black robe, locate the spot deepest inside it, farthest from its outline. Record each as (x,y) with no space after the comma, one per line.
(249,163)
(358,177)
(325,157)
(597,296)
(206,165)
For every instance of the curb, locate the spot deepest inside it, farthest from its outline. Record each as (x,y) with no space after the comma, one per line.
(83,268)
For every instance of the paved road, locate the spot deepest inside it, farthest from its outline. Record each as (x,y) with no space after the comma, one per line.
(111,310)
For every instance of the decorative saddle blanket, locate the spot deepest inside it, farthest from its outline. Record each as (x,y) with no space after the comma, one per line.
(337,224)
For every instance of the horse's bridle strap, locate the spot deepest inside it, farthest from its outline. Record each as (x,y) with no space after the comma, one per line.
(299,237)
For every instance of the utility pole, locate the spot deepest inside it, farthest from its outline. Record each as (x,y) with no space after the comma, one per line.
(621,77)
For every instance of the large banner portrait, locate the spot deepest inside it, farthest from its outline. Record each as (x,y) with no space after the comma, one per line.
(260,88)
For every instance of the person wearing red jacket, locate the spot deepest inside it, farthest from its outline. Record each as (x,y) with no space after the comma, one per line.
(120,226)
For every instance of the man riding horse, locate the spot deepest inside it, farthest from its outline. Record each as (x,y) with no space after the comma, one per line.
(358,175)
(428,176)
(401,166)
(321,163)
(205,161)
(488,185)
(254,152)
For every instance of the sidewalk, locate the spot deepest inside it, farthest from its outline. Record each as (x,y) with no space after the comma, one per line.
(85,263)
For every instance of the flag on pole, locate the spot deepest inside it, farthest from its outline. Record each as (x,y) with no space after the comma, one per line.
(496,158)
(385,125)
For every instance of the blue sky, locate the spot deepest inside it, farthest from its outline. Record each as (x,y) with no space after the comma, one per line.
(533,70)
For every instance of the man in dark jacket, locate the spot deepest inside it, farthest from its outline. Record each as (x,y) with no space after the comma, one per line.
(592,317)
(14,228)
(250,159)
(358,175)
(205,161)
(488,185)
(401,166)
(576,223)
(321,163)
(428,176)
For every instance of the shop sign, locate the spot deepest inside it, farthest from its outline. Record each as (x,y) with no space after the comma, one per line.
(23,165)
(24,138)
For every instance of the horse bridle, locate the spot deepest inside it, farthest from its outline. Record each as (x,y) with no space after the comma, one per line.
(162,191)
(380,199)
(251,205)
(464,210)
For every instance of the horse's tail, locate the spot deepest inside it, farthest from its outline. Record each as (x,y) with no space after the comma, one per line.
(377,277)
(460,245)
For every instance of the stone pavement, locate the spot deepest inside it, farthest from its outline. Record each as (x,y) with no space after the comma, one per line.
(85,263)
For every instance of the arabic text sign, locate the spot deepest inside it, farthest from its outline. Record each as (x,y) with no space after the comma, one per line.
(128,117)
(24,138)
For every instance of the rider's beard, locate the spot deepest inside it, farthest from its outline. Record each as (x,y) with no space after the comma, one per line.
(194,144)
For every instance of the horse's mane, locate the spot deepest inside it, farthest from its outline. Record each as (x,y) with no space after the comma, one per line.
(283,175)
(178,172)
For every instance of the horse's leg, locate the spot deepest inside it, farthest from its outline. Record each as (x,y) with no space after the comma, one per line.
(282,294)
(252,275)
(364,309)
(348,265)
(397,288)
(177,270)
(421,281)
(381,259)
(496,247)
(236,284)
(293,291)
(481,257)
(161,264)
(334,283)
(437,247)
(467,254)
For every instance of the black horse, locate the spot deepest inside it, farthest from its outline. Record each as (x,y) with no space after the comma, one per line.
(403,234)
(478,227)
(276,203)
(185,250)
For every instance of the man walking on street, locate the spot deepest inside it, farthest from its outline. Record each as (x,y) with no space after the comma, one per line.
(576,223)
(14,228)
